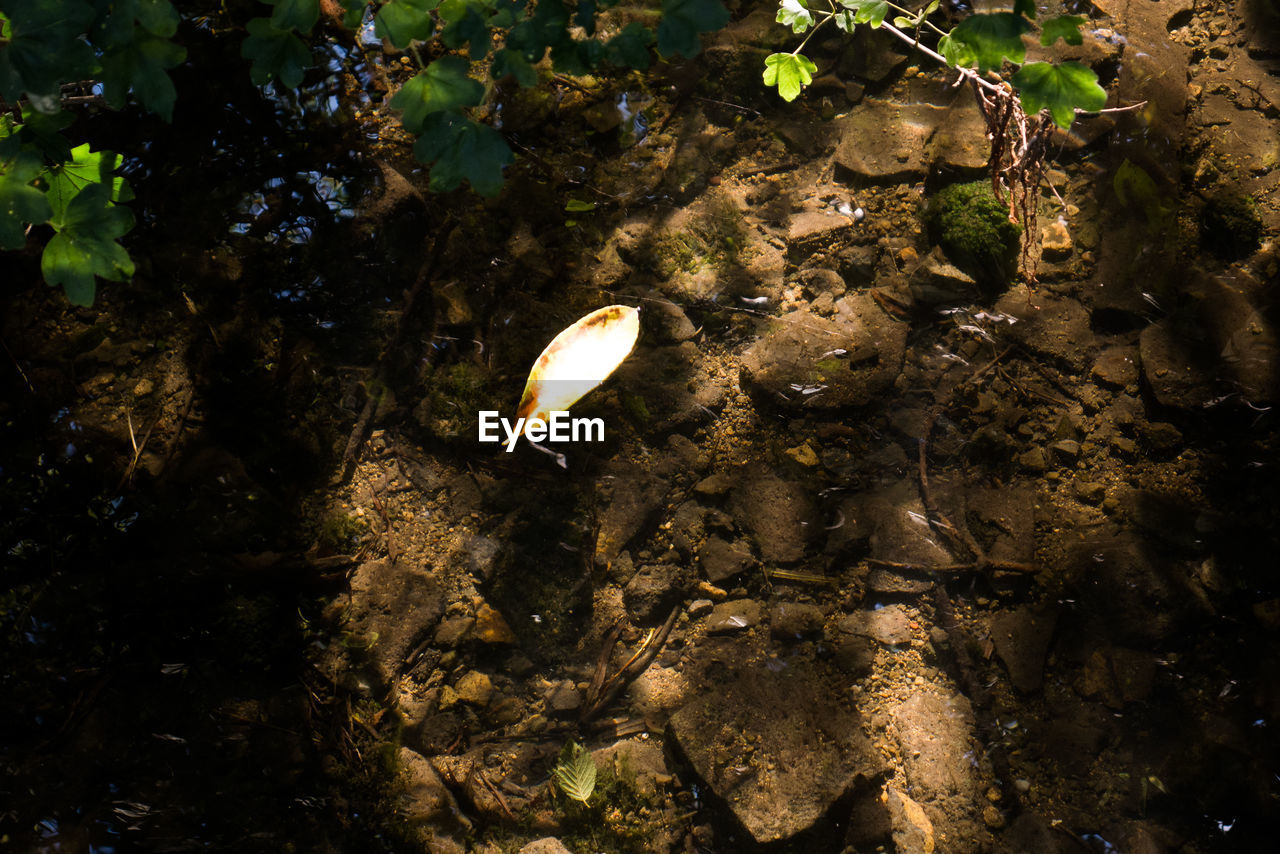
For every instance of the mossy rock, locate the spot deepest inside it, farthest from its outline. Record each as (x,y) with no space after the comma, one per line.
(973,228)
(1229,226)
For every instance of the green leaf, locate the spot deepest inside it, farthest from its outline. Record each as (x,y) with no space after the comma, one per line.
(1060,89)
(844,20)
(577,56)
(579,206)
(575,773)
(300,15)
(442,85)
(403,22)
(683,21)
(471,27)
(20,203)
(85,169)
(795,14)
(276,54)
(871,12)
(85,246)
(1025,7)
(956,53)
(141,66)
(44,131)
(513,62)
(991,39)
(353,13)
(790,72)
(548,27)
(44,50)
(459,148)
(630,48)
(1065,27)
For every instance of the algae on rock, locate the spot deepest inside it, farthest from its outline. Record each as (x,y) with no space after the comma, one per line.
(976,232)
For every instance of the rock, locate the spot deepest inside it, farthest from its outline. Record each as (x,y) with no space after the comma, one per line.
(804,455)
(778,513)
(700,607)
(651,593)
(935,735)
(474,688)
(714,485)
(144,387)
(1022,638)
(795,620)
(491,627)
(545,845)
(911,828)
(425,799)
(733,616)
(389,608)
(1060,329)
(938,282)
(1160,436)
(563,697)
(775,746)
(889,625)
(1127,593)
(1175,368)
(721,559)
(670,387)
(1055,241)
(807,361)
(631,498)
(1066,451)
(885,142)
(638,762)
(1117,366)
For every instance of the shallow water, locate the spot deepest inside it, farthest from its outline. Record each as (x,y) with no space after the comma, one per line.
(991,571)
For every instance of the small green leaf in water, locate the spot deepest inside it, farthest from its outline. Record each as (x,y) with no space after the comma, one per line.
(1065,27)
(1060,89)
(579,206)
(575,773)
(790,72)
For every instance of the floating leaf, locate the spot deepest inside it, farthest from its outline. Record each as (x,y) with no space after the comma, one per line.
(790,72)
(575,773)
(579,359)
(1060,89)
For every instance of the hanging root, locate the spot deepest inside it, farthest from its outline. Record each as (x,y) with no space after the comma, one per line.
(1019,146)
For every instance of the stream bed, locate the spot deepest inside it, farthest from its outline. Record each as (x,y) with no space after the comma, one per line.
(876,554)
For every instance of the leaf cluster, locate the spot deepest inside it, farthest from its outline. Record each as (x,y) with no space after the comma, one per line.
(126,47)
(482,41)
(985,42)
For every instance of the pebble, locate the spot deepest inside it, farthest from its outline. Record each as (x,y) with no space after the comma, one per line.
(143,388)
(475,688)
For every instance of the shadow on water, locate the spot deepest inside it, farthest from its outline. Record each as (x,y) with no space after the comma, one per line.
(156,693)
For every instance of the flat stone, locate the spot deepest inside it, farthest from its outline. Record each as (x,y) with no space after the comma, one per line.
(721,559)
(631,498)
(640,762)
(1176,368)
(1022,638)
(795,620)
(804,361)
(389,608)
(1056,327)
(1117,366)
(1055,240)
(733,616)
(651,593)
(889,625)
(424,799)
(474,688)
(778,513)
(545,845)
(777,746)
(938,282)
